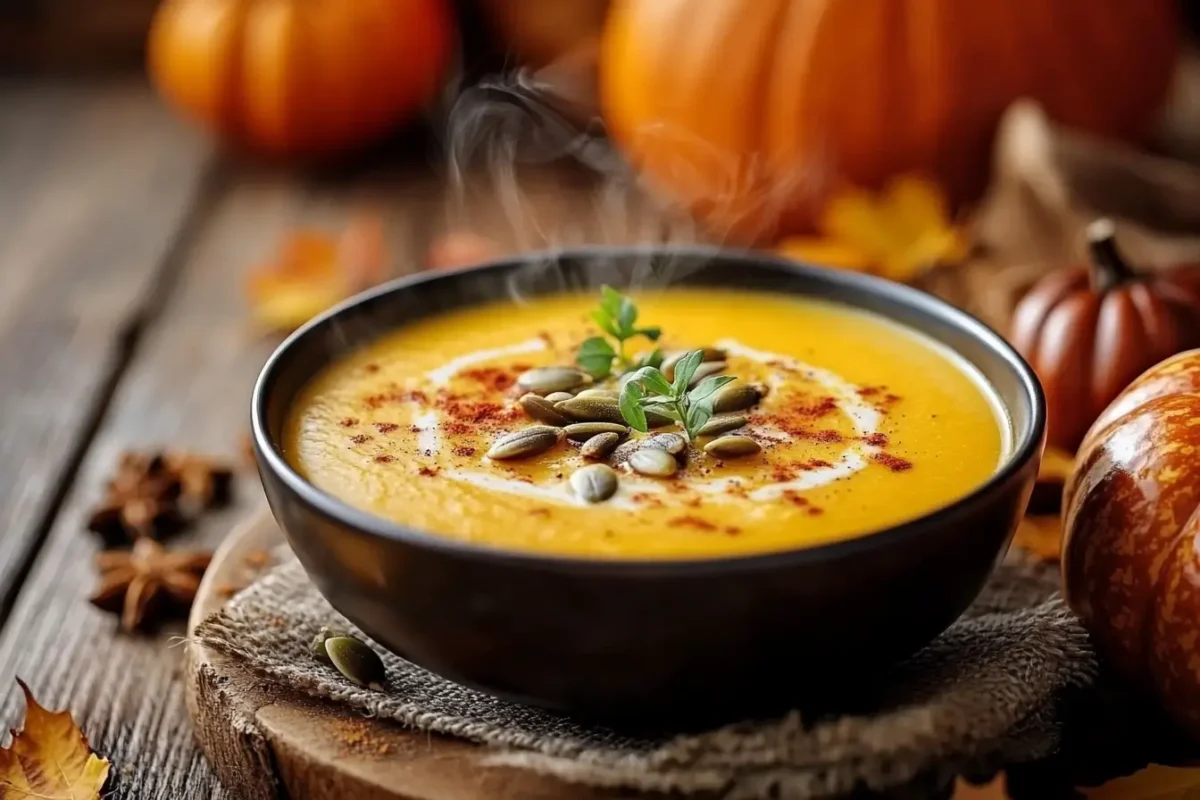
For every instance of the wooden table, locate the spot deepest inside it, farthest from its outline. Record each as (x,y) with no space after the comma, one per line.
(124,242)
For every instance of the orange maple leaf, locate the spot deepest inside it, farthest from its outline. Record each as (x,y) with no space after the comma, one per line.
(899,233)
(50,758)
(313,271)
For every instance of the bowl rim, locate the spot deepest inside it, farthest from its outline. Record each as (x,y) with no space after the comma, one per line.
(1028,447)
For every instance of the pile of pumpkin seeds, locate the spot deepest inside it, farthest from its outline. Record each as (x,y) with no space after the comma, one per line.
(566,402)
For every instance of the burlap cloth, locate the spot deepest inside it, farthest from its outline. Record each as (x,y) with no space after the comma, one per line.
(992,691)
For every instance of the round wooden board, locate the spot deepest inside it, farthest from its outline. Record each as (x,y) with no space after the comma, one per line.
(267,742)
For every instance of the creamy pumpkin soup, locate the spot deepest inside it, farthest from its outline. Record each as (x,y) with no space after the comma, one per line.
(770,423)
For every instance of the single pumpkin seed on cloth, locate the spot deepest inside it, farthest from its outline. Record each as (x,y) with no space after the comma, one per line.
(357,661)
(723,424)
(653,462)
(543,410)
(594,483)
(600,445)
(671,443)
(706,370)
(732,447)
(544,380)
(706,354)
(318,643)
(558,397)
(591,409)
(582,431)
(736,397)
(525,442)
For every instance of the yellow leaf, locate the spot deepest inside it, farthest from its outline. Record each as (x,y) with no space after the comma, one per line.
(313,271)
(1152,783)
(899,233)
(825,252)
(50,759)
(1040,535)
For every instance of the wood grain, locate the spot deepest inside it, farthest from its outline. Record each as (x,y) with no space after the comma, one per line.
(267,743)
(188,385)
(96,181)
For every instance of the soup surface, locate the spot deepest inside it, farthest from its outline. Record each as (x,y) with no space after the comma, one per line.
(864,424)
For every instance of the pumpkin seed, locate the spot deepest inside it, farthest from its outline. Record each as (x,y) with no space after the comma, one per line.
(708,354)
(724,424)
(600,445)
(671,443)
(582,431)
(654,462)
(732,447)
(592,409)
(525,442)
(357,661)
(736,397)
(544,380)
(543,410)
(318,643)
(558,397)
(705,370)
(597,393)
(594,483)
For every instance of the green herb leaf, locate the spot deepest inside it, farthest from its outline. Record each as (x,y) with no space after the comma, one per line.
(610,301)
(708,387)
(685,369)
(606,323)
(595,356)
(652,359)
(652,380)
(616,316)
(631,407)
(698,414)
(626,316)
(661,408)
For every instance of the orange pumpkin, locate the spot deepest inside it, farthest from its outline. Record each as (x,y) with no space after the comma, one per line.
(539,32)
(752,110)
(296,78)
(1131,548)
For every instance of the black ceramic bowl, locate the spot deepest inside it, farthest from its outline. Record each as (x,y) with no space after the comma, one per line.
(647,637)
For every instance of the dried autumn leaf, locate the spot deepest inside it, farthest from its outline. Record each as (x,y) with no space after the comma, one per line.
(1152,783)
(50,759)
(899,234)
(996,789)
(1041,536)
(313,271)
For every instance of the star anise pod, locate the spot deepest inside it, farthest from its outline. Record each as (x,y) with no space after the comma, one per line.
(152,495)
(148,582)
(205,483)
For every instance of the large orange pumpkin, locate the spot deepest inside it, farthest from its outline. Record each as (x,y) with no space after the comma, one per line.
(298,77)
(752,110)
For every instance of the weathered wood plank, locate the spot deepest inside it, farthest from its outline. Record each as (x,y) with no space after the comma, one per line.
(95,183)
(187,386)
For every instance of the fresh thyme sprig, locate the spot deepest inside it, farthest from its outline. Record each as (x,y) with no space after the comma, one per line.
(617,316)
(649,389)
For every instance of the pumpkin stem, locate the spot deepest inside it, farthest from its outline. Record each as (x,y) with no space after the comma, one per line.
(1109,269)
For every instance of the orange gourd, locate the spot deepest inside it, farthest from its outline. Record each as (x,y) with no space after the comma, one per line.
(1131,546)
(298,78)
(751,111)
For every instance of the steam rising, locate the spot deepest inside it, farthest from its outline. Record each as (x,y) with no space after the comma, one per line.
(502,134)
